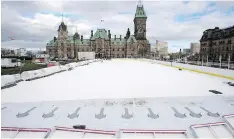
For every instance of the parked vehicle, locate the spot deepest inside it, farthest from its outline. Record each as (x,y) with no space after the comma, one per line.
(10,62)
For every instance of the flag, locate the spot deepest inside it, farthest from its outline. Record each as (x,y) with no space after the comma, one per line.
(11,38)
(102,20)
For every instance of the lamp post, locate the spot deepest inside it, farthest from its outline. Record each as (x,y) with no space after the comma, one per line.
(155,48)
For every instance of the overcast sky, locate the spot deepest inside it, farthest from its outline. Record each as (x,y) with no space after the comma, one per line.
(32,23)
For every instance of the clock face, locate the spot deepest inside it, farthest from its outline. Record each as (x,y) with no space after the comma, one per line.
(140,30)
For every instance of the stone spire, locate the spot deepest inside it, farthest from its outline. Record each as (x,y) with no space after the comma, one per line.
(128,34)
(76,35)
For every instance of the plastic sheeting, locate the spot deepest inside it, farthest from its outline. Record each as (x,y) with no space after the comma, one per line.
(30,75)
(7,80)
(35,74)
(17,77)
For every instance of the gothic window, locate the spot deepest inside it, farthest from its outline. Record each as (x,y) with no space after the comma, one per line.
(113,49)
(122,49)
(61,44)
(83,50)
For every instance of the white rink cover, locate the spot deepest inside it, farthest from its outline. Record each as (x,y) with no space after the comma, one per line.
(212,130)
(119,95)
(35,74)
(32,133)
(64,132)
(229,119)
(7,80)
(150,134)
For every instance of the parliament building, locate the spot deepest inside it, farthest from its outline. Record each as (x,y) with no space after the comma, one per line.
(102,42)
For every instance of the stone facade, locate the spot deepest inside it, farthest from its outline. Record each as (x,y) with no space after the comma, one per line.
(218,43)
(102,43)
(195,48)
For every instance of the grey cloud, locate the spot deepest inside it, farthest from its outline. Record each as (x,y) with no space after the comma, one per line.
(160,22)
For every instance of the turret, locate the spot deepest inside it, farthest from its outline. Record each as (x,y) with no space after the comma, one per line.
(81,37)
(91,33)
(128,34)
(109,34)
(55,39)
(120,37)
(115,37)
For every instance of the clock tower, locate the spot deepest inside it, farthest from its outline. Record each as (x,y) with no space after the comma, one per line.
(140,22)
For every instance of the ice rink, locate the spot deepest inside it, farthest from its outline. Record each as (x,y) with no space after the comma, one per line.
(116,79)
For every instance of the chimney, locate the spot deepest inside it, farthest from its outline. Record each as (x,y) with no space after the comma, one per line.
(120,37)
(91,33)
(81,37)
(115,37)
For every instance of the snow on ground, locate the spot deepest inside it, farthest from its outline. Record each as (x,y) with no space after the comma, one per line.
(116,79)
(114,86)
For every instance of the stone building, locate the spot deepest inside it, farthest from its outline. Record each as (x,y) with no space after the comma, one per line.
(102,42)
(195,48)
(162,47)
(218,43)
(186,51)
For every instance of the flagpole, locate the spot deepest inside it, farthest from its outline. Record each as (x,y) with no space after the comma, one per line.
(202,60)
(220,59)
(229,61)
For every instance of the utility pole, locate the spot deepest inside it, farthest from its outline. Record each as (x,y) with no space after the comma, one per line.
(155,47)
(202,60)
(220,60)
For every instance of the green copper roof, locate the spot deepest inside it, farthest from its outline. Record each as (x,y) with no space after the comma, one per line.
(140,12)
(131,39)
(84,42)
(100,33)
(51,43)
(117,41)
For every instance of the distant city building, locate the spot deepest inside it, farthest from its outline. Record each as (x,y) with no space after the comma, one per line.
(218,44)
(7,52)
(41,58)
(101,42)
(21,52)
(195,48)
(186,51)
(161,48)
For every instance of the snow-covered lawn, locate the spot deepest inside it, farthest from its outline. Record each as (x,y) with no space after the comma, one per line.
(116,79)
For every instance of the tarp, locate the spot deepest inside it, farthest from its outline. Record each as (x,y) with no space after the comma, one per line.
(29,75)
(7,80)
(17,77)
